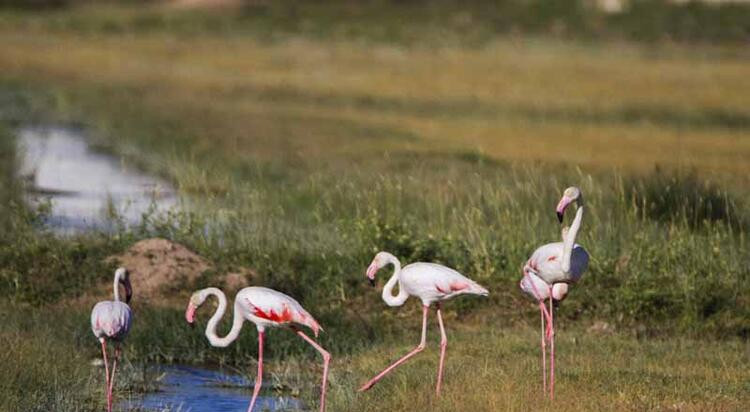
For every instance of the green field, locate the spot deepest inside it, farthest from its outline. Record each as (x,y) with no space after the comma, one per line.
(311,137)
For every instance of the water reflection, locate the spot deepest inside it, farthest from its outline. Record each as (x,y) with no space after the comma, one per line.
(86,188)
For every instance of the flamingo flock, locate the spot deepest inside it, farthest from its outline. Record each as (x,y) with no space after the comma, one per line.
(547,277)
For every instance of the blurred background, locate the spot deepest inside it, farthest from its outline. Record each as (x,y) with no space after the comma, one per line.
(284,143)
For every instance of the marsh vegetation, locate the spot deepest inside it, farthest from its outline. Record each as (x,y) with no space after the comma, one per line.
(307,148)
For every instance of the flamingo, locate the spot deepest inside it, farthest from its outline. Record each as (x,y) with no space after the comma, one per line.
(110,320)
(265,308)
(549,272)
(430,282)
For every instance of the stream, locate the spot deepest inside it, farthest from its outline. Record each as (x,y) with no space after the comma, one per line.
(189,388)
(86,189)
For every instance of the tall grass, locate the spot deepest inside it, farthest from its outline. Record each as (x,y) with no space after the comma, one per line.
(327,152)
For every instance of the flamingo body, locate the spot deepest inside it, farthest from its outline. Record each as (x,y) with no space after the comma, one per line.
(546,262)
(432,282)
(111,320)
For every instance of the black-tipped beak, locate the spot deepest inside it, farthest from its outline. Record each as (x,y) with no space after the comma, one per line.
(372,282)
(560,216)
(128,292)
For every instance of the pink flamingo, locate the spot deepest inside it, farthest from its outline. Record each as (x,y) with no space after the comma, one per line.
(265,308)
(549,271)
(430,282)
(110,320)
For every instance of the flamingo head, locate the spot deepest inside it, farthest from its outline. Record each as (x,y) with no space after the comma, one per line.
(123,276)
(559,292)
(570,195)
(380,260)
(196,300)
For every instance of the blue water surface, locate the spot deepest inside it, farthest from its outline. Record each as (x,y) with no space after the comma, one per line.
(189,388)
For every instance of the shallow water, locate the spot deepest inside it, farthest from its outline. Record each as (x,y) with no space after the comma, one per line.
(83,186)
(188,388)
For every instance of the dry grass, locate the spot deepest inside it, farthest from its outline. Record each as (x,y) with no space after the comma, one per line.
(523,101)
(497,369)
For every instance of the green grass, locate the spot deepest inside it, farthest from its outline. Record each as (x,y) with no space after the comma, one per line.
(309,148)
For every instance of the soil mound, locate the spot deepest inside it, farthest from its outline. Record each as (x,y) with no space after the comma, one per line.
(160,266)
(165,272)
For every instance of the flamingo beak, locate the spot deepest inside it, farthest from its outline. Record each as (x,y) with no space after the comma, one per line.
(128,290)
(190,313)
(564,202)
(371,270)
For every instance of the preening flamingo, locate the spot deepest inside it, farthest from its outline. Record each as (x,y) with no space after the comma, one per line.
(265,308)
(430,282)
(549,271)
(110,320)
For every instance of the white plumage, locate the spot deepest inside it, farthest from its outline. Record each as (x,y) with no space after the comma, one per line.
(110,321)
(431,283)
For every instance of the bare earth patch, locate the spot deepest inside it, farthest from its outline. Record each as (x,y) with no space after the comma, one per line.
(165,271)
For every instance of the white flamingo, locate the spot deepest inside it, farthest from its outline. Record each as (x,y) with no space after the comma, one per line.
(430,282)
(265,308)
(549,271)
(110,320)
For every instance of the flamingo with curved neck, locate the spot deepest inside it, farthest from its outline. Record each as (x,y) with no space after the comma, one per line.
(265,308)
(431,283)
(550,271)
(110,321)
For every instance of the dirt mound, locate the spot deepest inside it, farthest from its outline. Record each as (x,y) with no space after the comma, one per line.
(164,272)
(159,266)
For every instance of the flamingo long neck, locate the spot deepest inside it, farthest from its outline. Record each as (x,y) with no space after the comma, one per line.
(570,238)
(213,338)
(116,285)
(388,297)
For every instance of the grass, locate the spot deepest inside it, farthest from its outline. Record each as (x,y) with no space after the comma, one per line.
(304,152)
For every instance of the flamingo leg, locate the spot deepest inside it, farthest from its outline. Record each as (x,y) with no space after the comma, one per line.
(326,360)
(106,372)
(406,357)
(110,398)
(259,377)
(443,345)
(552,353)
(544,351)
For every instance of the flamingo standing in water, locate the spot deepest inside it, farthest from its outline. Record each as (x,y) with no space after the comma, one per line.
(549,271)
(430,282)
(265,308)
(110,320)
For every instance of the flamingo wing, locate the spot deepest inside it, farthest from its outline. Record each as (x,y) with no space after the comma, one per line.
(546,262)
(271,307)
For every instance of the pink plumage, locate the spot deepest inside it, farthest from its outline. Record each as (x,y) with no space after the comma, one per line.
(265,308)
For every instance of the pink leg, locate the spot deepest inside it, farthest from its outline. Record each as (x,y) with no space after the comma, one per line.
(406,357)
(259,378)
(112,379)
(544,353)
(443,345)
(552,353)
(106,371)
(326,360)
